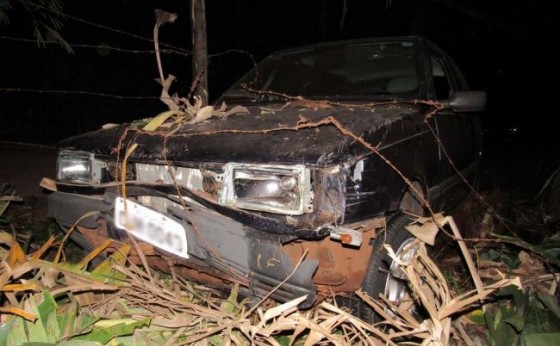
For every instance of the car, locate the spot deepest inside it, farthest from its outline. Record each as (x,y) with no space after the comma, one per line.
(333,150)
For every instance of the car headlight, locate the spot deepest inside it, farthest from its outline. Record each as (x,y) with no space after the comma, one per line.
(273,188)
(79,168)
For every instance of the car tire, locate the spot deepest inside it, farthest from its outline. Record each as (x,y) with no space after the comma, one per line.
(377,279)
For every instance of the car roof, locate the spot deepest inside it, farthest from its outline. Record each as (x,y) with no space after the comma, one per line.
(416,39)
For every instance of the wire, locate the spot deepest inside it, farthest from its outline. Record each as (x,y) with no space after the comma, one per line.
(122,32)
(136,51)
(79,92)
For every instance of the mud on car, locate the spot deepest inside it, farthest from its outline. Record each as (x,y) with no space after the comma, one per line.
(299,188)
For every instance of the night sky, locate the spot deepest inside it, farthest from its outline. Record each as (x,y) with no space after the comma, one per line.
(493,42)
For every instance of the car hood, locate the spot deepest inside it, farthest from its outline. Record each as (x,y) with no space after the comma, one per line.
(272,134)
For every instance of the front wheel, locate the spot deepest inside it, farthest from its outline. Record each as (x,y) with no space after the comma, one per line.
(383,274)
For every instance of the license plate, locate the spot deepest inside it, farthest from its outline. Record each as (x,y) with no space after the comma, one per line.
(151,227)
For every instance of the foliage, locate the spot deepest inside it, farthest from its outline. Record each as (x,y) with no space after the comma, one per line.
(523,317)
(5,6)
(120,302)
(46,17)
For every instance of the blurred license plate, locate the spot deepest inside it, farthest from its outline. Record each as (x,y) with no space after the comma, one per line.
(151,227)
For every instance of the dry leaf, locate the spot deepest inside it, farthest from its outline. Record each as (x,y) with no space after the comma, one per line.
(6,238)
(425,229)
(236,110)
(314,104)
(109,126)
(202,114)
(178,321)
(19,312)
(16,257)
(284,308)
(48,184)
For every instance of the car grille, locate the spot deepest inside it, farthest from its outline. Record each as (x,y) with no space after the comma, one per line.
(190,178)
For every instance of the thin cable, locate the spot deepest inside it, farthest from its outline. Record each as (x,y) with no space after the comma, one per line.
(118,31)
(78,92)
(77,45)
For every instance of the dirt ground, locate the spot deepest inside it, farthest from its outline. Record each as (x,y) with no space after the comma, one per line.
(24,165)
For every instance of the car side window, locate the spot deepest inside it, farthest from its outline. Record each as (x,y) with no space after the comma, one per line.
(442,87)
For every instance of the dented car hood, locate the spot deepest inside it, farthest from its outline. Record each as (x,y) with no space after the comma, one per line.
(275,133)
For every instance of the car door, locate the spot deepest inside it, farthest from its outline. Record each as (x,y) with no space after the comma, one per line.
(457,131)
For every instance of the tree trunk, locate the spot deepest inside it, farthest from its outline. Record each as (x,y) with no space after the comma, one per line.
(200,51)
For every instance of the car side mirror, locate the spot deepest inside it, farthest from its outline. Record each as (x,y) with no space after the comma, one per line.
(467,101)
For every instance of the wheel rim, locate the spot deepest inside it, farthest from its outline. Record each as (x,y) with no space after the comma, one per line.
(395,286)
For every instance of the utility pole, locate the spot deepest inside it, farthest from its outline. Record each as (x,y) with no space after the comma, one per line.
(200,50)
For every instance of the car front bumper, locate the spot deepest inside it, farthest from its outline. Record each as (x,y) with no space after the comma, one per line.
(237,251)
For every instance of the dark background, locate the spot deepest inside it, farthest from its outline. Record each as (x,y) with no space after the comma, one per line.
(494,43)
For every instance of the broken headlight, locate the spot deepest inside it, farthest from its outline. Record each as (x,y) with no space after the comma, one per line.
(79,168)
(272,188)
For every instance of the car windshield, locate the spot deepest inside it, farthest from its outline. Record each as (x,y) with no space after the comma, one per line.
(364,69)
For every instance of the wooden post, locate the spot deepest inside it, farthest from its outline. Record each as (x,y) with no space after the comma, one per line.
(200,51)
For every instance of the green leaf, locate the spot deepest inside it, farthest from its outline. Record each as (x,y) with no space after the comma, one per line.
(67,320)
(147,338)
(550,302)
(101,336)
(510,260)
(47,316)
(516,322)
(13,332)
(528,246)
(541,339)
(217,340)
(84,322)
(477,316)
(511,291)
(123,327)
(231,303)
(497,319)
(106,272)
(105,330)
(36,332)
(283,340)
(489,318)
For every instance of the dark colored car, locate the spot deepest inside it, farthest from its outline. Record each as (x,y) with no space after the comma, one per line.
(301,187)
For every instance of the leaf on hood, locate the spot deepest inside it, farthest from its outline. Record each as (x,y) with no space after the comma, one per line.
(109,126)
(314,104)
(202,114)
(165,97)
(235,110)
(160,119)
(222,107)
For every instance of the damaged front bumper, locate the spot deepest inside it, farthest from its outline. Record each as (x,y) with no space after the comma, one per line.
(233,244)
